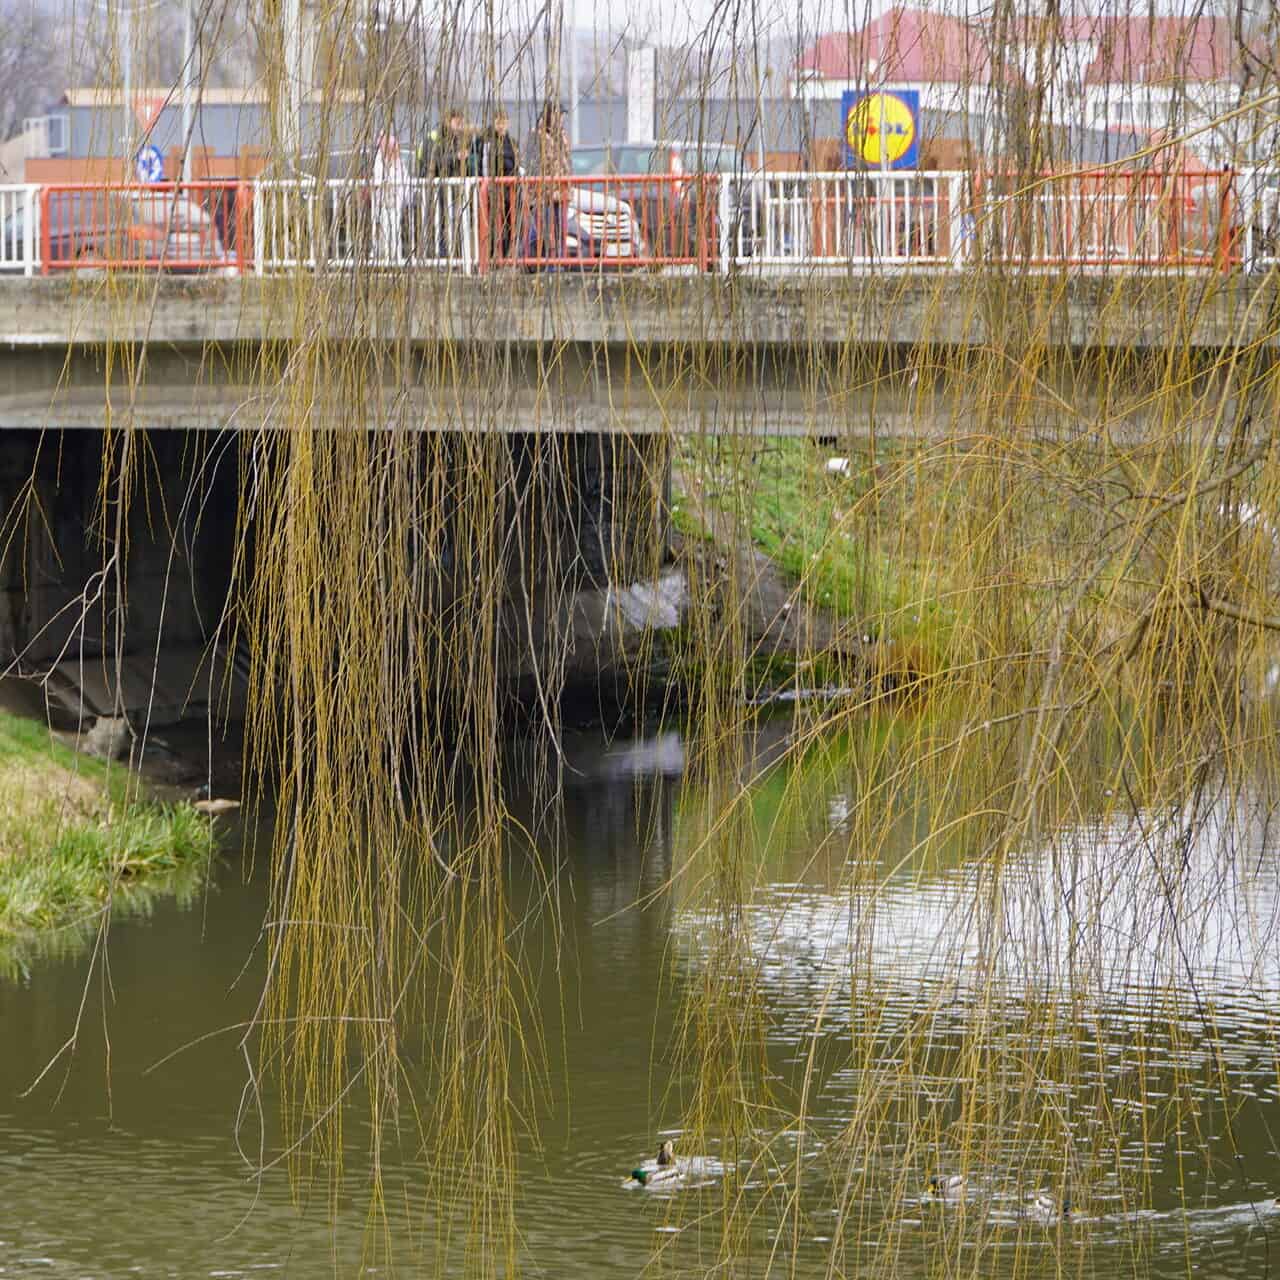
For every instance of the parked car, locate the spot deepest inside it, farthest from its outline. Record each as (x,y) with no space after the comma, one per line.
(598,228)
(127,226)
(671,212)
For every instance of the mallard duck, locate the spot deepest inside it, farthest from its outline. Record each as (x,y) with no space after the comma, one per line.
(947,1186)
(663,1168)
(1047,1210)
(667,1168)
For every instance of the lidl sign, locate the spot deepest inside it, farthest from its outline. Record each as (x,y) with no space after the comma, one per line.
(881,130)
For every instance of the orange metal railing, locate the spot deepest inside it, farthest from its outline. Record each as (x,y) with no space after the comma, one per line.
(175,226)
(1108,218)
(588,222)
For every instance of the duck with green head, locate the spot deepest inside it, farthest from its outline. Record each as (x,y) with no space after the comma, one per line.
(947,1187)
(663,1168)
(670,1169)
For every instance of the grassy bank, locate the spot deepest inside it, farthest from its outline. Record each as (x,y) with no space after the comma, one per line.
(861,542)
(74,834)
(933,552)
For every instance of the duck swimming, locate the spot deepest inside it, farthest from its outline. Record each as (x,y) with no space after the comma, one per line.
(1045,1209)
(947,1186)
(668,1169)
(663,1168)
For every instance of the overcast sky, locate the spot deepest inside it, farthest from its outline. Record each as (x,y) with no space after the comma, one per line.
(675,20)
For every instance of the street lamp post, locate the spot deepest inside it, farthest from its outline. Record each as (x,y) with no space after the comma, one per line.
(575,130)
(190,80)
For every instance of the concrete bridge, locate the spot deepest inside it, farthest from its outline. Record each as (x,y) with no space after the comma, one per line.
(613,366)
(639,354)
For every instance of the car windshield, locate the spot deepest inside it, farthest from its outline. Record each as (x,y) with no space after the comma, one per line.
(590,160)
(633,160)
(610,160)
(715,160)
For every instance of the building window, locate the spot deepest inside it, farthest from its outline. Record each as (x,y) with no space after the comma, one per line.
(46,136)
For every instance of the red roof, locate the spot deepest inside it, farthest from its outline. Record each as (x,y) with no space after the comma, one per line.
(906,45)
(1145,49)
(917,46)
(1151,50)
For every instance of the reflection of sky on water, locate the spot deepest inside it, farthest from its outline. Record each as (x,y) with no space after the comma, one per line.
(1116,914)
(1126,980)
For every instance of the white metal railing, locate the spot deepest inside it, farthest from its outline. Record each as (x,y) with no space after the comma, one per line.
(20,227)
(1267,248)
(1257,215)
(787,222)
(843,219)
(339,224)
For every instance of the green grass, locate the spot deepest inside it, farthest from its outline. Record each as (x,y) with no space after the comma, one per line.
(74,836)
(863,545)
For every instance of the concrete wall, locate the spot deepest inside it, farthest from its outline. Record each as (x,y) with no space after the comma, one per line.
(64,608)
(573,515)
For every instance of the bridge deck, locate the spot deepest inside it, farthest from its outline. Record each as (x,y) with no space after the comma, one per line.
(569,352)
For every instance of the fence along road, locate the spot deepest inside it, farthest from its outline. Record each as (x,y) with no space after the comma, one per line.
(1107,219)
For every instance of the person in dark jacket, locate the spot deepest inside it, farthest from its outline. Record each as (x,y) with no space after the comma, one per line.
(445,155)
(445,152)
(501,160)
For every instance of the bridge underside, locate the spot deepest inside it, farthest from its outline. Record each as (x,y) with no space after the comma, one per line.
(140,618)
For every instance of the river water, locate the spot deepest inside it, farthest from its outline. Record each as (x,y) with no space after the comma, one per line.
(1127,1064)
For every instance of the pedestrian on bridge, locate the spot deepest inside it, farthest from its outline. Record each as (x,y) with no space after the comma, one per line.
(447,156)
(389,199)
(502,163)
(551,154)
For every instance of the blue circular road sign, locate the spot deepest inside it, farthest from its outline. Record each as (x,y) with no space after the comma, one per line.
(148,164)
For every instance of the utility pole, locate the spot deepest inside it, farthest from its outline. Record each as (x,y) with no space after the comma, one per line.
(293,73)
(191,76)
(575,132)
(126,77)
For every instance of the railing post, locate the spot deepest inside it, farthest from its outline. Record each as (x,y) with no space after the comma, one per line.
(243,194)
(702,242)
(955,220)
(1224,221)
(725,234)
(45,234)
(1172,252)
(30,218)
(466,222)
(484,222)
(1254,212)
(1246,176)
(259,239)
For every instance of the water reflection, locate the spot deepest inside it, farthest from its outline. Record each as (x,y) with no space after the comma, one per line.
(1087,1043)
(1097,1016)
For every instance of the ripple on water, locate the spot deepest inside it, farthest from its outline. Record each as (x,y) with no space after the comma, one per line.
(1129,1023)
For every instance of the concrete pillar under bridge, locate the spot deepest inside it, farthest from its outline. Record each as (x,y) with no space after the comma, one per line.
(109,607)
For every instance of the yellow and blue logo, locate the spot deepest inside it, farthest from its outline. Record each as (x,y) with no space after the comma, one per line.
(881,130)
